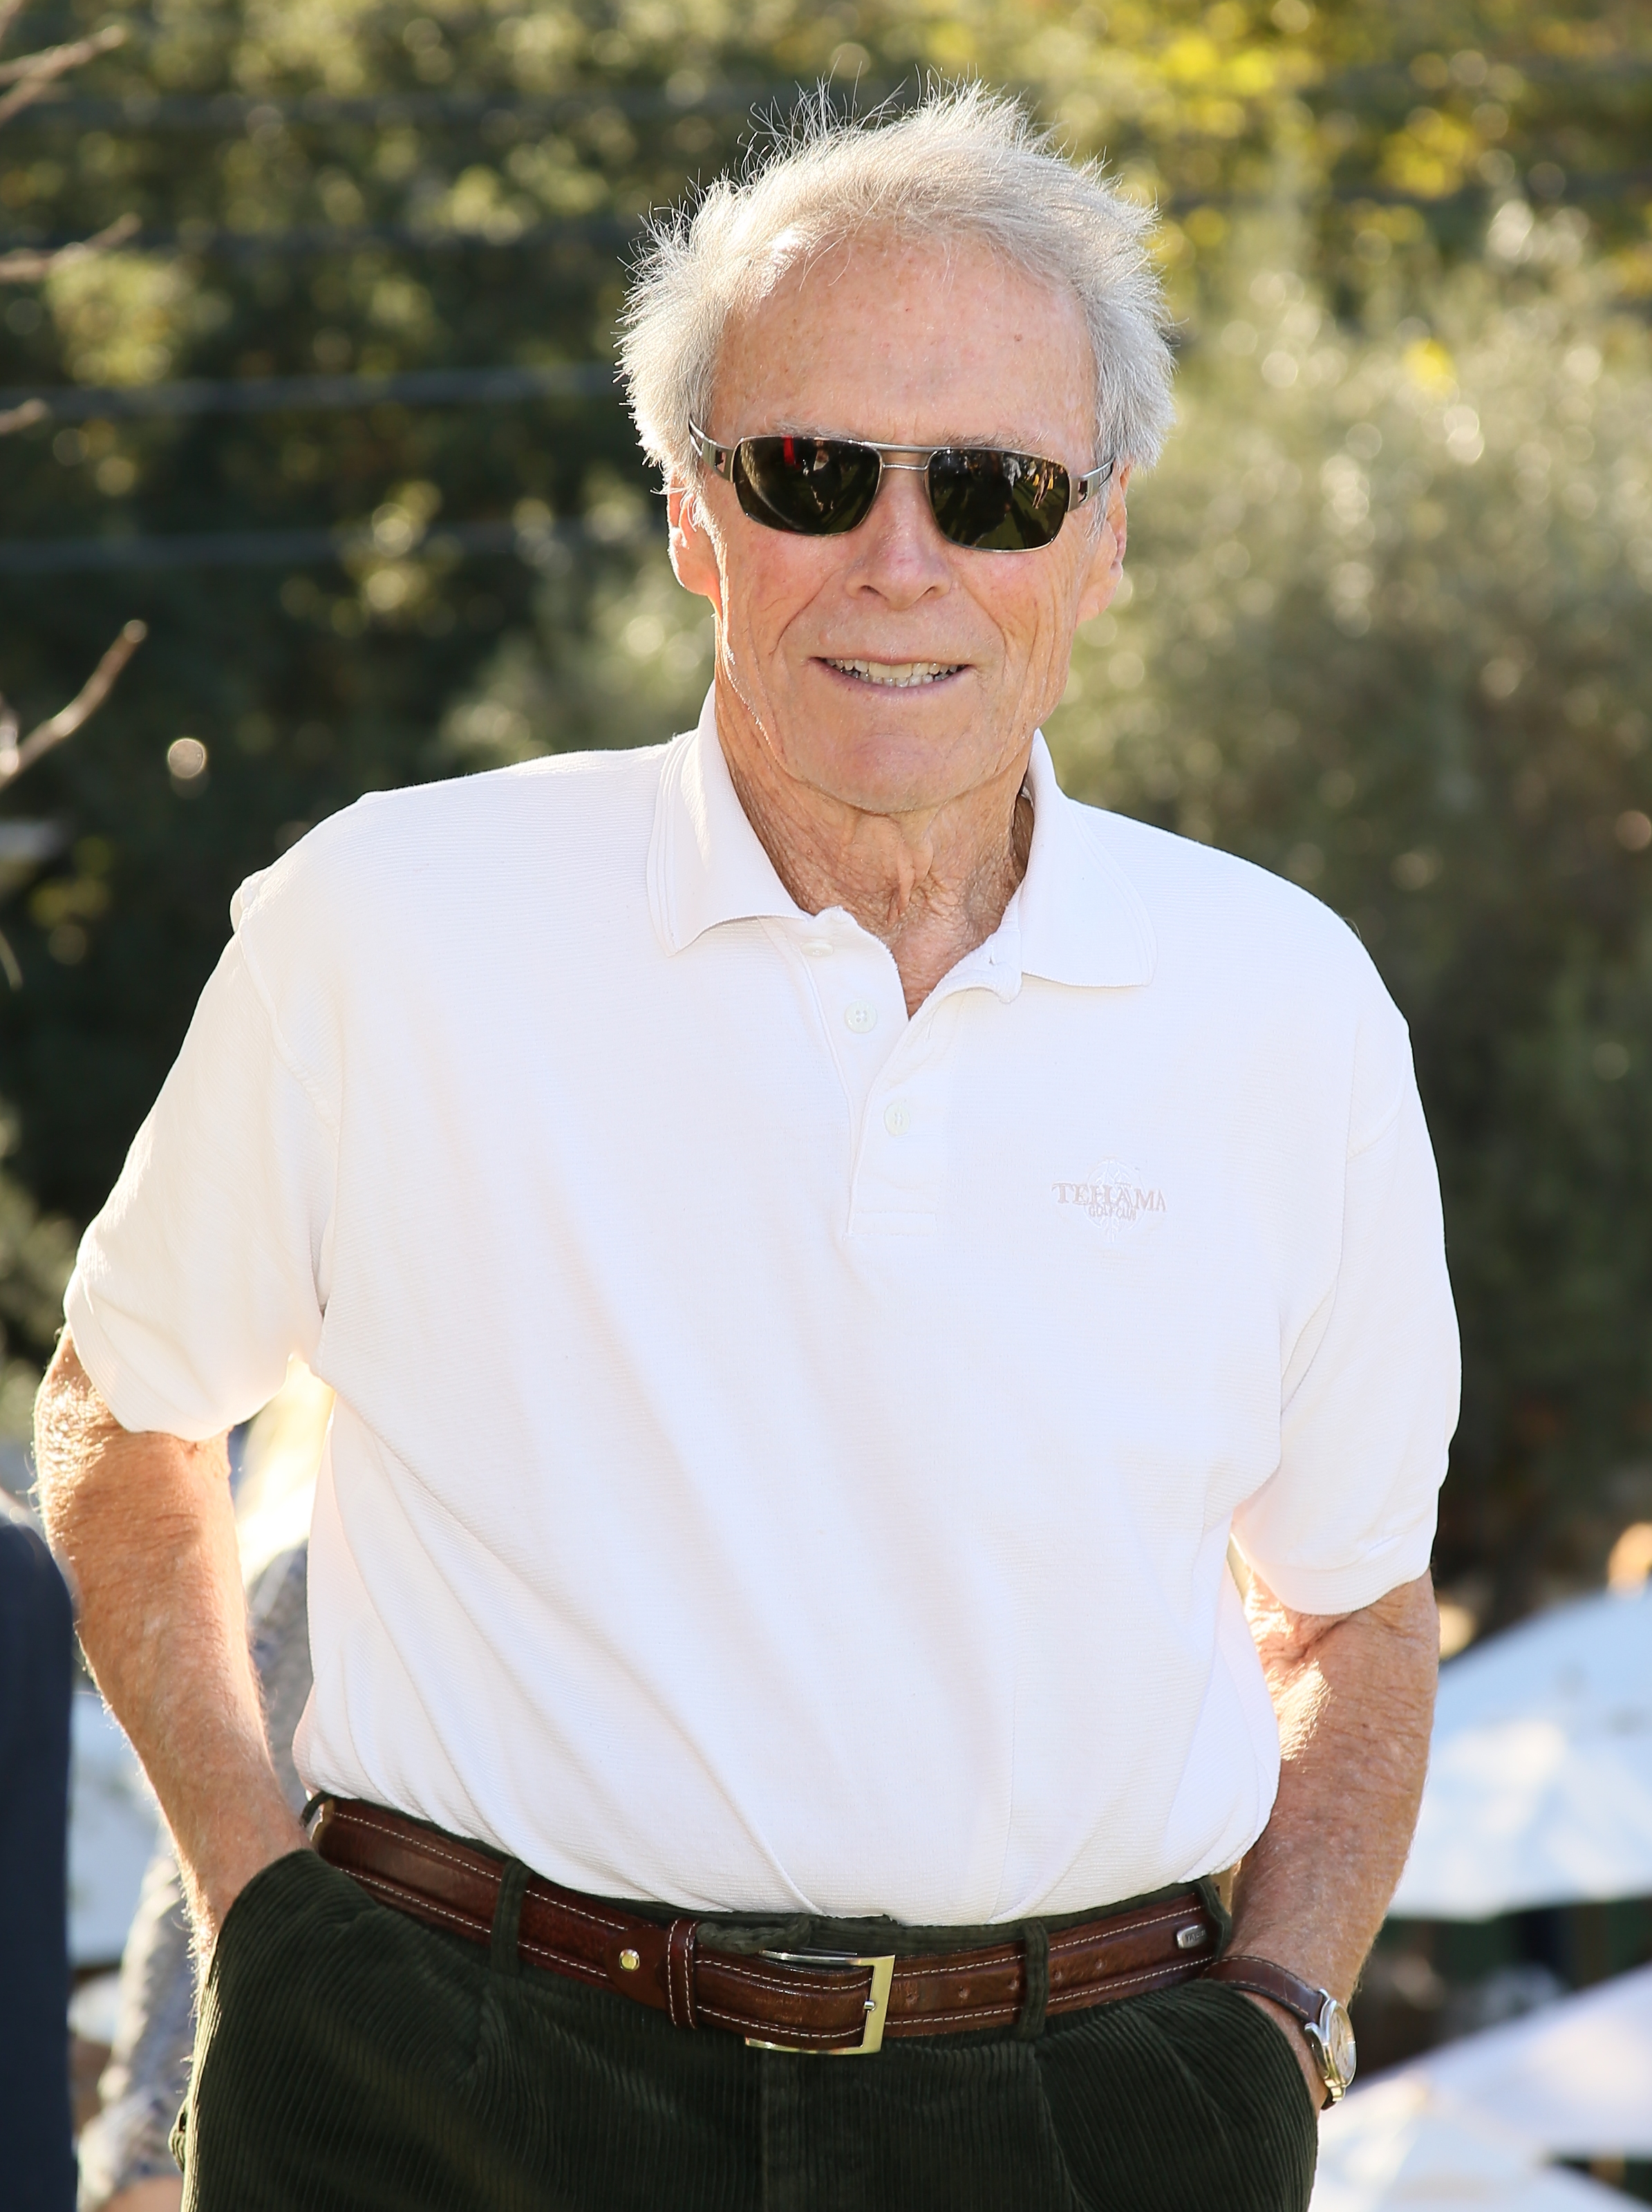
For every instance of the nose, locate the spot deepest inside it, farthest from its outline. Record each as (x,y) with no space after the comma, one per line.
(898,553)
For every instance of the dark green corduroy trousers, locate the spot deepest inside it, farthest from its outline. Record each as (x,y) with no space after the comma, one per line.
(351,2060)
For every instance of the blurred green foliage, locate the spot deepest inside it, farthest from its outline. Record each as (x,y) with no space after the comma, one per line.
(1387,628)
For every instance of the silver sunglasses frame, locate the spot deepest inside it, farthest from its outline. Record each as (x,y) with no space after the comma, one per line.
(720,459)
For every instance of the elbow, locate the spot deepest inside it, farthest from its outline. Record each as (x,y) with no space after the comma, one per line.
(72,1423)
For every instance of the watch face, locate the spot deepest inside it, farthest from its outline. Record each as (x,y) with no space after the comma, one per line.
(1337,2041)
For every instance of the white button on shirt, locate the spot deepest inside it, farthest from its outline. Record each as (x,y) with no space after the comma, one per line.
(785,1459)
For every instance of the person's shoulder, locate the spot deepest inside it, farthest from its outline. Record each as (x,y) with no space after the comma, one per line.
(1266,968)
(446,841)
(572,794)
(1229,917)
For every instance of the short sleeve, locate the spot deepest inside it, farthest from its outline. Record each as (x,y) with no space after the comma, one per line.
(206,1269)
(1370,1389)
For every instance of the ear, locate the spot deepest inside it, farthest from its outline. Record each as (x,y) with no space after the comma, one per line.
(1107,553)
(694,549)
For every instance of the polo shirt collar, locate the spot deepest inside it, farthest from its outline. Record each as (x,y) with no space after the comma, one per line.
(1080,919)
(705,862)
(1076,918)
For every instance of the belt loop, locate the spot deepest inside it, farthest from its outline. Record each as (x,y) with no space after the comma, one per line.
(505,1957)
(679,1974)
(1035,1940)
(1214,1890)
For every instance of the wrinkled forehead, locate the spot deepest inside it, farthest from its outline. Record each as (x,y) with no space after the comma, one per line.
(908,339)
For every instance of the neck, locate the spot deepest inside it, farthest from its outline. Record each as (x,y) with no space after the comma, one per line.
(932,883)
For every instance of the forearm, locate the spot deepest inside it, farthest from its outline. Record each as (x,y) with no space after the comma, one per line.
(145,1525)
(1355,1698)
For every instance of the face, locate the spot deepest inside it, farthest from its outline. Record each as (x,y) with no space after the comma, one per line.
(909,346)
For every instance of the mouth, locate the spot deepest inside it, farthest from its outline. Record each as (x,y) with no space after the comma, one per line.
(897,675)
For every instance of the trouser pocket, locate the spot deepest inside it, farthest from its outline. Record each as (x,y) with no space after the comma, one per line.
(1189,2098)
(334,2036)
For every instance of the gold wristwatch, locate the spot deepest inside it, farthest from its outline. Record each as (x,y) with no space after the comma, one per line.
(1324,2019)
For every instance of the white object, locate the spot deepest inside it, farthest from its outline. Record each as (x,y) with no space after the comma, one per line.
(1399,2144)
(94,2009)
(1575,2078)
(1540,1785)
(729,1501)
(113,1827)
(276,1499)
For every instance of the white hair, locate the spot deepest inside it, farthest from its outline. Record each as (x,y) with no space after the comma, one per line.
(963,163)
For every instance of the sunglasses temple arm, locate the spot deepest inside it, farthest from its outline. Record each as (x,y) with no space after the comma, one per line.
(718,458)
(1090,484)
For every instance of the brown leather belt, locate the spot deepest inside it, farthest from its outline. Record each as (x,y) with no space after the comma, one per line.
(825,2002)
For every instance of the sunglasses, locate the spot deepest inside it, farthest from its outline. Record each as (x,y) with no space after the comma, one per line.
(981,496)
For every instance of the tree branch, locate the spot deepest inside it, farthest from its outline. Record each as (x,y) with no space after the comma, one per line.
(14,758)
(32,74)
(26,267)
(30,78)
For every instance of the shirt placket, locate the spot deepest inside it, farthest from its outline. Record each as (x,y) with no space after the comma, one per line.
(896,1073)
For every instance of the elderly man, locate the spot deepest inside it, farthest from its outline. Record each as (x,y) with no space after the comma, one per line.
(819,1241)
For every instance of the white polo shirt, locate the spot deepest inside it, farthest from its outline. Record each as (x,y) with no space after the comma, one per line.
(785,1452)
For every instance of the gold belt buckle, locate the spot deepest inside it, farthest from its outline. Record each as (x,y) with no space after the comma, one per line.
(883,1973)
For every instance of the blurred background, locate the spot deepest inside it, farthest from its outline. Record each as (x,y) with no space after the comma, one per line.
(334,419)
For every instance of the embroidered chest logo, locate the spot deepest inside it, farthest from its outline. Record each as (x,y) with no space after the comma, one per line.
(1119,1201)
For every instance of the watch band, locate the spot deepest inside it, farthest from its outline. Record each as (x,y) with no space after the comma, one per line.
(1264,1979)
(1324,2019)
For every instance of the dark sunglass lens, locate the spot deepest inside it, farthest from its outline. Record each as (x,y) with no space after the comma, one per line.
(816,486)
(999,503)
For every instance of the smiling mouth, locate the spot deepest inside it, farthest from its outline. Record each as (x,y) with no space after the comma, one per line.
(900,675)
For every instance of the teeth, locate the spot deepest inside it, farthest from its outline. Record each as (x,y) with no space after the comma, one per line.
(902,673)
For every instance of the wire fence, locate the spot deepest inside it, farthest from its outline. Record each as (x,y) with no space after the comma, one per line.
(687,94)
(537,545)
(275,395)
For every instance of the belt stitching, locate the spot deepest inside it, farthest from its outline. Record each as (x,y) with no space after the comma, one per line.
(1078,1939)
(396,1889)
(567,1961)
(984,2013)
(744,2026)
(686,1976)
(1126,1981)
(917,2021)
(908,1971)
(540,1895)
(744,1974)
(423,1845)
(418,1843)
(749,1976)
(1069,1990)
(393,1891)
(736,2020)
(943,1962)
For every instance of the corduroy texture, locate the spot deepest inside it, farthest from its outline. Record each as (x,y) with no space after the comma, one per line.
(350,2060)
